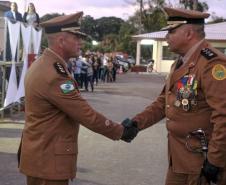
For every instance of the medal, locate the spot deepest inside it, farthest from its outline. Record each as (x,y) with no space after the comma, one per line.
(177,103)
(184,101)
(186,93)
(185,104)
(193,102)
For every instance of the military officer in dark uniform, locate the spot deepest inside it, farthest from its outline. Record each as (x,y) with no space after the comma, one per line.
(193,101)
(54,109)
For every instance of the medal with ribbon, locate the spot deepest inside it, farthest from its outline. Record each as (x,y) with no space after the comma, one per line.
(186,92)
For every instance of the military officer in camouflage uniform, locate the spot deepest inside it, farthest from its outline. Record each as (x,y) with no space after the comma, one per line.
(54,109)
(193,101)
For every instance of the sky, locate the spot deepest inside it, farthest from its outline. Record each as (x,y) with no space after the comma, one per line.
(103,8)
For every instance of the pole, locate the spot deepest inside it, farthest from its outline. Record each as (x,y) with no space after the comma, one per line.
(140,21)
(25,5)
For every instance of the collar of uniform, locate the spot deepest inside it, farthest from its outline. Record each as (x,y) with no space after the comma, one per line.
(58,56)
(191,51)
(61,60)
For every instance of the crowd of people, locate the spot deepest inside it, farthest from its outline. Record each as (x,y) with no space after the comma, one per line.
(93,68)
(30,17)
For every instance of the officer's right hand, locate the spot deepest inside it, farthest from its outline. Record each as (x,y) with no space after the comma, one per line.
(130,130)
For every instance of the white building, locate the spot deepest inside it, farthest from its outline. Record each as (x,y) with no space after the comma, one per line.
(4,6)
(215,34)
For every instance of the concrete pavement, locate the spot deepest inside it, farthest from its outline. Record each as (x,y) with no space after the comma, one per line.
(100,160)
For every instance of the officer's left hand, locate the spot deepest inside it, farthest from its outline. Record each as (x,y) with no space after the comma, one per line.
(130,130)
(210,171)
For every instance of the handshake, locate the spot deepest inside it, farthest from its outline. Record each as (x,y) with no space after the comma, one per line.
(130,130)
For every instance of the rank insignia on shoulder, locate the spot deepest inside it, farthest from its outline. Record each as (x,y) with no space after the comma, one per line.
(208,53)
(60,69)
(67,87)
(219,72)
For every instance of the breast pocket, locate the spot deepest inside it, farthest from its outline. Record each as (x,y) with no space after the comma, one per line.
(65,157)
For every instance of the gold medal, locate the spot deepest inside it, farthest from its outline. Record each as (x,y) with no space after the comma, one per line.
(177,103)
(184,102)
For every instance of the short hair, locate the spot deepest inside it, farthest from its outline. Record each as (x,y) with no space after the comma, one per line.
(199,30)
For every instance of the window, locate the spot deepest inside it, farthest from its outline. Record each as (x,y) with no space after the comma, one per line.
(167,55)
(223,50)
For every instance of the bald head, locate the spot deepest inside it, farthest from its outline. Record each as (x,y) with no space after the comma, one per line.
(65,44)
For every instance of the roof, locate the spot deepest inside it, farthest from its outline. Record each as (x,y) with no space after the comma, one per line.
(216,32)
(4,5)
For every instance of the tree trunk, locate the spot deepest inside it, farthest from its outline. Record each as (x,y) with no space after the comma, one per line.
(195,4)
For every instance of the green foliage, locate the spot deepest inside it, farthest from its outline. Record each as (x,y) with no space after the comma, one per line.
(194,5)
(107,25)
(46,17)
(126,43)
(154,21)
(88,26)
(150,18)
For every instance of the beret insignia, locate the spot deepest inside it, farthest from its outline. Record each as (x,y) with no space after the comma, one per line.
(208,53)
(60,69)
(219,72)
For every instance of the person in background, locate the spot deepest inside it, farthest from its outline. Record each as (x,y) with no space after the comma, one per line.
(193,101)
(13,15)
(96,68)
(55,109)
(77,70)
(31,17)
(90,72)
(110,70)
(84,74)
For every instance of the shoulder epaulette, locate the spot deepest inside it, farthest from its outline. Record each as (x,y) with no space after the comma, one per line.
(60,69)
(208,53)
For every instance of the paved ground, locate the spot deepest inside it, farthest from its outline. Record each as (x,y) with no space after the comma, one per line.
(102,161)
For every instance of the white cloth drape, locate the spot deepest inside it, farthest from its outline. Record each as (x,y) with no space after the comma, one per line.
(14,33)
(26,36)
(29,34)
(37,36)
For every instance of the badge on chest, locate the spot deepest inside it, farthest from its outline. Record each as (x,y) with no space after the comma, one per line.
(186,92)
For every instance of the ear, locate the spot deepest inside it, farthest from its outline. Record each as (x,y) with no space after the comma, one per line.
(61,42)
(190,34)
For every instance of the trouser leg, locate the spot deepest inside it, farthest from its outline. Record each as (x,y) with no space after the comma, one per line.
(39,181)
(173,178)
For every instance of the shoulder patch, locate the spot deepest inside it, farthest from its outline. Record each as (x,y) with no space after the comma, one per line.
(67,87)
(219,72)
(60,69)
(208,53)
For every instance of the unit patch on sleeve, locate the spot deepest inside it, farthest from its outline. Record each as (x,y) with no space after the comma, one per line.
(219,72)
(208,53)
(60,69)
(67,87)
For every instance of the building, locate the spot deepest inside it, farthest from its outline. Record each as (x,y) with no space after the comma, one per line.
(4,6)
(215,34)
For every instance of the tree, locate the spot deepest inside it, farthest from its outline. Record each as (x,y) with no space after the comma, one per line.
(126,43)
(108,25)
(88,26)
(194,5)
(48,16)
(150,16)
